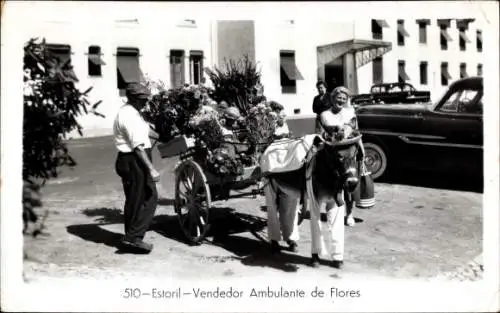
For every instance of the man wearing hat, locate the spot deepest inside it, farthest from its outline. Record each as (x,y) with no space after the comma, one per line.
(134,166)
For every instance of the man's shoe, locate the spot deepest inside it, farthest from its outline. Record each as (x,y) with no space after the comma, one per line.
(137,245)
(338,264)
(292,246)
(275,247)
(314,260)
(350,221)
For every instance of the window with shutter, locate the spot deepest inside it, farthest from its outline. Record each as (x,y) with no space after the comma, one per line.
(445,75)
(127,67)
(422,33)
(423,73)
(479,41)
(94,61)
(378,70)
(289,73)
(196,67)
(177,79)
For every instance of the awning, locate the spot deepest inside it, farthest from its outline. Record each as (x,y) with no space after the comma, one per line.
(365,51)
(424,21)
(129,69)
(62,52)
(96,59)
(402,75)
(463,72)
(444,22)
(464,37)
(196,53)
(382,23)
(445,73)
(290,69)
(446,35)
(402,30)
(464,23)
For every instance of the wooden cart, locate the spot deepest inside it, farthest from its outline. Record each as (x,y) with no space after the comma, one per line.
(196,188)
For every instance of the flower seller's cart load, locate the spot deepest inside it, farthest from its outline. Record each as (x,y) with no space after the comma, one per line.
(222,149)
(213,161)
(219,135)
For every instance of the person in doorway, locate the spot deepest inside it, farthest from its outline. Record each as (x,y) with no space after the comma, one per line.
(320,102)
(135,168)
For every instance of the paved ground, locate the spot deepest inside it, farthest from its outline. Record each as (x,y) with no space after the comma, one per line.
(414,231)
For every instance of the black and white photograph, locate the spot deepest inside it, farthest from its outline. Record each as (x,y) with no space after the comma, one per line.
(250,156)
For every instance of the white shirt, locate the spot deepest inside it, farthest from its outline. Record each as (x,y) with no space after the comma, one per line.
(328,118)
(130,129)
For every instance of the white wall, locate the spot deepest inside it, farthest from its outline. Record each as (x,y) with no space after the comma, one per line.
(303,37)
(153,38)
(155,34)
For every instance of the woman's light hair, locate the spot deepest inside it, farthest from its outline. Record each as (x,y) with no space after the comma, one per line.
(340,89)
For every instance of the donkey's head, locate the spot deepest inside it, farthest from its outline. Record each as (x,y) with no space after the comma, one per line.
(340,160)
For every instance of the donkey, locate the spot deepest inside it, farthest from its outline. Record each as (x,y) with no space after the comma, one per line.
(329,170)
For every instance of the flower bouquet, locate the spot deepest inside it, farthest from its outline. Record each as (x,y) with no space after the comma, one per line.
(260,125)
(222,162)
(205,127)
(169,111)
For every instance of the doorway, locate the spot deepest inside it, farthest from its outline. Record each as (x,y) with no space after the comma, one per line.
(334,74)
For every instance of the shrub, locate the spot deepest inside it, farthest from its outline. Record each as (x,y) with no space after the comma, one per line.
(52,105)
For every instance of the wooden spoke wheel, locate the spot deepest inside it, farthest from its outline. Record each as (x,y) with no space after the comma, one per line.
(192,201)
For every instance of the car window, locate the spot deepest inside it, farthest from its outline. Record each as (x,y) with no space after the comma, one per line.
(463,101)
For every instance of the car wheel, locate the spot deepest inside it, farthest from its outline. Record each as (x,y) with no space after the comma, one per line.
(375,159)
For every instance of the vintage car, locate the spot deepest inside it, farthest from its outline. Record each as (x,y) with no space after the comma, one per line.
(390,93)
(446,135)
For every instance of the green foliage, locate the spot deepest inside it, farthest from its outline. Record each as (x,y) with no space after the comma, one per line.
(52,105)
(237,84)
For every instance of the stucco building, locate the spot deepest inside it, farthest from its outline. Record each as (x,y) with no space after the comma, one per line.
(291,54)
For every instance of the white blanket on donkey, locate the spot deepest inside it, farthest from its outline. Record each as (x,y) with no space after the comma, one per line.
(286,155)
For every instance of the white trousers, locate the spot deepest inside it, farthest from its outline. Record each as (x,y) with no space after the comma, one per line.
(282,220)
(335,223)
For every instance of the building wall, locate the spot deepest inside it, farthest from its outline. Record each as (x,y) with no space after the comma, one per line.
(235,39)
(144,35)
(156,37)
(303,37)
(414,52)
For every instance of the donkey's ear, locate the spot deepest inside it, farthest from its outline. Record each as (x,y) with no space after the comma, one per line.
(318,141)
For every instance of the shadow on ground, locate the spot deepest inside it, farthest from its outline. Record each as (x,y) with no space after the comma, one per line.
(238,233)
(436,179)
(94,232)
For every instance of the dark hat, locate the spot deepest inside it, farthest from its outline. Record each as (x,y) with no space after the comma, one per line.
(137,90)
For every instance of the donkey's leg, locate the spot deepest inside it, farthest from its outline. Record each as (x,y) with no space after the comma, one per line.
(349,206)
(273,225)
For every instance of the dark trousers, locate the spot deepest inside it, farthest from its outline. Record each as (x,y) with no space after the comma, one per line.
(141,197)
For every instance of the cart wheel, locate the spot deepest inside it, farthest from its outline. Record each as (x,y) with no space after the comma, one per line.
(192,201)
